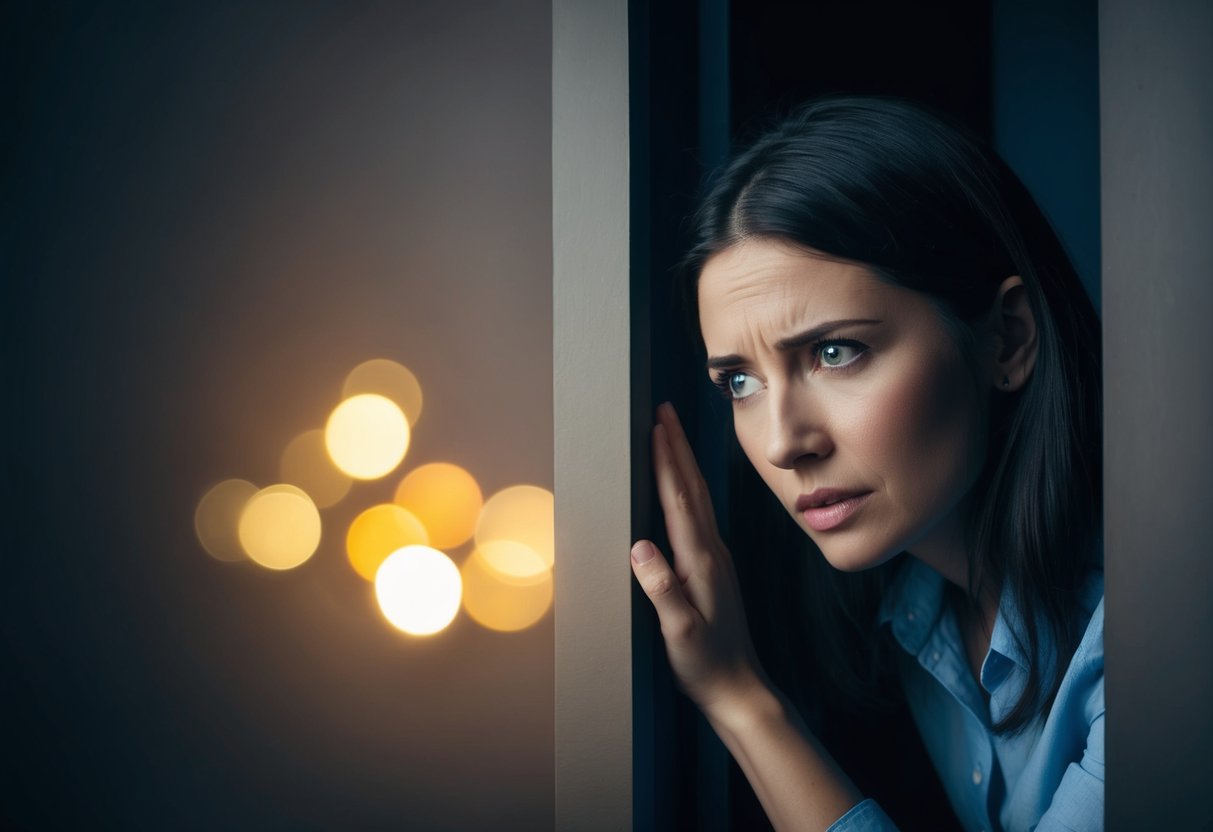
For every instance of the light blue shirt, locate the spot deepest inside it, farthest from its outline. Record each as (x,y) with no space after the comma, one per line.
(1050,776)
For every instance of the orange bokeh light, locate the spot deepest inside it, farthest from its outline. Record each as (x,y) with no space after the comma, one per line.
(445,498)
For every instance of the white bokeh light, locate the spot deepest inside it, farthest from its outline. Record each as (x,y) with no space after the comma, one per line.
(367,436)
(419,590)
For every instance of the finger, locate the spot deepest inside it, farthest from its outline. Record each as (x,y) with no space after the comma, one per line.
(684,456)
(663,588)
(688,524)
(689,518)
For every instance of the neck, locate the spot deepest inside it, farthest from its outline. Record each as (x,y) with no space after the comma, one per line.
(946,551)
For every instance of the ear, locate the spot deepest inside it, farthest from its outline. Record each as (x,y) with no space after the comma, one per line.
(1013,327)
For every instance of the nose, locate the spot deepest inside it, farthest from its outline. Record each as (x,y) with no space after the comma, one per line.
(796,428)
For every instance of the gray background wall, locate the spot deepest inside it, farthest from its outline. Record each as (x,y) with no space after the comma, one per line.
(211,212)
(1156,116)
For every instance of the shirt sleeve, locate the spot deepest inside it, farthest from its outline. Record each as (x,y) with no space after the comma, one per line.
(865,816)
(1078,804)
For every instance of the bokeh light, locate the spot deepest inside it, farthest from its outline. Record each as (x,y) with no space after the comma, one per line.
(522,514)
(280,527)
(379,531)
(217,519)
(505,606)
(367,436)
(390,380)
(513,562)
(306,463)
(505,583)
(419,590)
(445,498)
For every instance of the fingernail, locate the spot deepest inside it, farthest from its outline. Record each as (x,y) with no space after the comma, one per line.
(666,408)
(643,552)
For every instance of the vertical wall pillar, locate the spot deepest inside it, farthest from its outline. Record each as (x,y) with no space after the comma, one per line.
(1156,127)
(592,395)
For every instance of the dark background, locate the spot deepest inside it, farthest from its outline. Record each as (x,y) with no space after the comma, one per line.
(211,213)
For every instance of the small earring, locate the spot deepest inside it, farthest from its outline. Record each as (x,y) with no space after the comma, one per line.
(1006,382)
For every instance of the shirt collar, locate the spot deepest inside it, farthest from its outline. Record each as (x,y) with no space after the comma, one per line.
(1009,630)
(1009,637)
(913,603)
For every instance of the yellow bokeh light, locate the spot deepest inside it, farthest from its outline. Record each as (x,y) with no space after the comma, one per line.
(419,590)
(513,562)
(523,514)
(505,606)
(390,380)
(280,527)
(306,463)
(217,519)
(367,436)
(379,531)
(445,498)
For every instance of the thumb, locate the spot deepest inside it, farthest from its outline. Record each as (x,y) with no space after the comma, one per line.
(664,589)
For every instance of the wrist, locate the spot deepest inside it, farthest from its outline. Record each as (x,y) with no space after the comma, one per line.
(745,706)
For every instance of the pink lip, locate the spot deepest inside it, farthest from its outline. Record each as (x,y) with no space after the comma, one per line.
(821,517)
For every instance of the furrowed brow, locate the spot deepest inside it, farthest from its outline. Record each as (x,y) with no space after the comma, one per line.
(793,342)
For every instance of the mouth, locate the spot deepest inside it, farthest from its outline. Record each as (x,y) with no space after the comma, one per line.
(829,508)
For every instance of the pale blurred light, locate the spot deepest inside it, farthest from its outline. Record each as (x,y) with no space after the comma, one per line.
(306,463)
(505,606)
(418,589)
(388,379)
(367,436)
(217,519)
(445,498)
(523,514)
(280,527)
(513,562)
(379,531)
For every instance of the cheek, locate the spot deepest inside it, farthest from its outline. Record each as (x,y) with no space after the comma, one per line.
(924,434)
(748,432)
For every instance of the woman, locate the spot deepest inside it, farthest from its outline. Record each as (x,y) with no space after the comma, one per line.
(914,372)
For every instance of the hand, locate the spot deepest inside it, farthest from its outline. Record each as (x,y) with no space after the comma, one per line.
(698,601)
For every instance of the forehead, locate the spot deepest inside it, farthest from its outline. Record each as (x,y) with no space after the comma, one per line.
(775,287)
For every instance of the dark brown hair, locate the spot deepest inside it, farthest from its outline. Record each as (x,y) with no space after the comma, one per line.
(924,205)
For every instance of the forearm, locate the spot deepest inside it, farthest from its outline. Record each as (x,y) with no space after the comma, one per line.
(798,783)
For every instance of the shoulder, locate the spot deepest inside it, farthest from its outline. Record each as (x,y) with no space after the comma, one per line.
(1081,695)
(1071,755)
(1088,655)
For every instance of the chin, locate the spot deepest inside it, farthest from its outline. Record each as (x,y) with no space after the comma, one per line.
(854,555)
(854,565)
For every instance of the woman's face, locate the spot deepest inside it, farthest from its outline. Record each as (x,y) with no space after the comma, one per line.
(850,398)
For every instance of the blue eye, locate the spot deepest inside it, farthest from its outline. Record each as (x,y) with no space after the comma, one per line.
(741,385)
(839,353)
(736,386)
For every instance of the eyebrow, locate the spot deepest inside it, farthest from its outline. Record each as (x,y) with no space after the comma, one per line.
(793,342)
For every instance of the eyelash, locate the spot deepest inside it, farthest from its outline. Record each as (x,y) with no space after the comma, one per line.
(721,379)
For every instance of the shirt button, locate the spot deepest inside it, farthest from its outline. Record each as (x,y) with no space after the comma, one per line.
(976,777)
(935,656)
(910,616)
